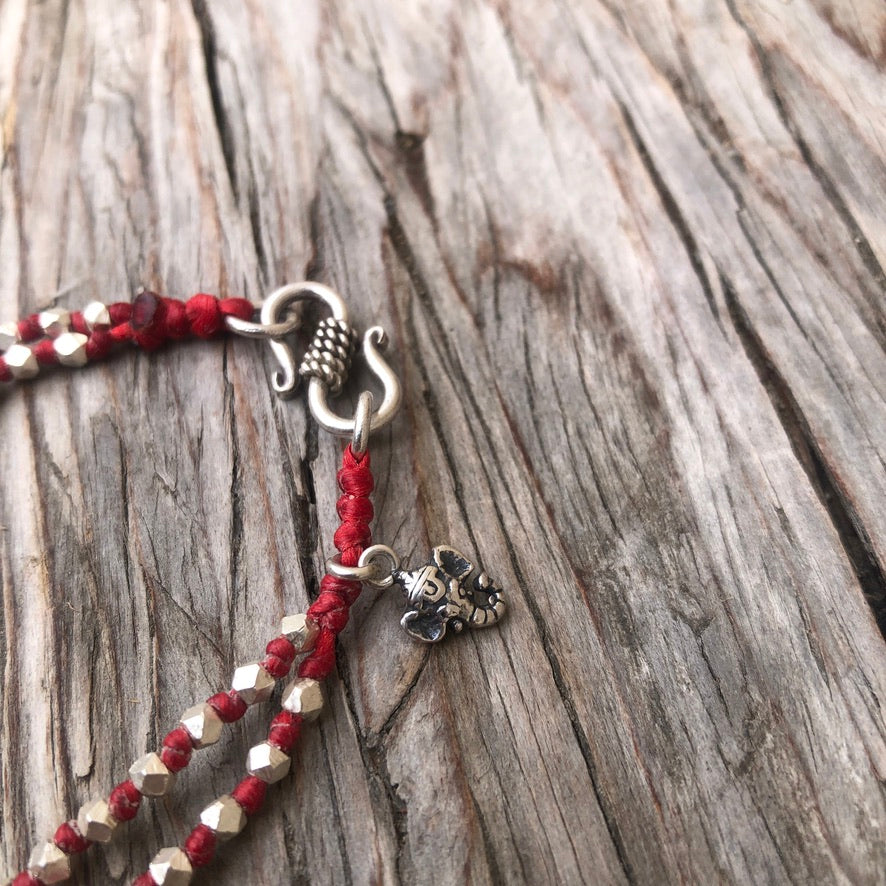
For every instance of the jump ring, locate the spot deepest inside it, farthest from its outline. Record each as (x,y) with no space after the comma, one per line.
(362,424)
(369,568)
(371,556)
(251,329)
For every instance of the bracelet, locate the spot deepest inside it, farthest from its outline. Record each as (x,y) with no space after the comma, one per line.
(443,595)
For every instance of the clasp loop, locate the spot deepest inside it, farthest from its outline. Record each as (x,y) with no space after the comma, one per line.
(374,342)
(285,379)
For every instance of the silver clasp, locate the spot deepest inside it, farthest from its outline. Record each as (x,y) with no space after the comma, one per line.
(327,361)
(374,342)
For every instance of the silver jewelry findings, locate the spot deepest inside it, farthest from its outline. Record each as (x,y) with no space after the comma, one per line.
(440,594)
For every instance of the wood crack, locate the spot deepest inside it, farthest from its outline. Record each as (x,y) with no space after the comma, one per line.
(857,236)
(853,537)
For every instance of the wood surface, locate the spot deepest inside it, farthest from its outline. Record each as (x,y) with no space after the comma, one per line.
(630,257)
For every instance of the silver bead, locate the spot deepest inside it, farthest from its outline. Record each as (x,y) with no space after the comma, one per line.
(303,696)
(55,321)
(150,775)
(71,349)
(330,355)
(253,683)
(203,724)
(21,362)
(96,314)
(49,864)
(224,817)
(268,763)
(8,335)
(96,822)
(300,630)
(171,867)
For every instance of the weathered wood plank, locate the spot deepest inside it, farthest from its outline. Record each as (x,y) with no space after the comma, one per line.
(631,259)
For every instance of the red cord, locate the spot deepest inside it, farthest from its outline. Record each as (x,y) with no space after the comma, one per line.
(330,612)
(149,321)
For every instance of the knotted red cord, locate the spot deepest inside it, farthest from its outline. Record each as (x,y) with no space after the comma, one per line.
(330,612)
(149,321)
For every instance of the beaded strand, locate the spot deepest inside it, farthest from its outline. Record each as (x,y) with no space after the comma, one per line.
(153,775)
(174,866)
(56,337)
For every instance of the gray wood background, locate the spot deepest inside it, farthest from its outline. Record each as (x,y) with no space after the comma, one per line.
(631,259)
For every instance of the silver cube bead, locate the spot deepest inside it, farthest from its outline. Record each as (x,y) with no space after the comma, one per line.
(8,335)
(253,683)
(224,817)
(203,724)
(150,775)
(171,867)
(95,315)
(268,763)
(96,822)
(300,630)
(54,322)
(71,348)
(303,696)
(21,362)
(49,864)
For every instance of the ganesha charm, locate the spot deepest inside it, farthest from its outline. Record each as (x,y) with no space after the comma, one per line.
(440,595)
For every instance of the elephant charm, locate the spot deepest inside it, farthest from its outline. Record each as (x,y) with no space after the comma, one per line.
(440,597)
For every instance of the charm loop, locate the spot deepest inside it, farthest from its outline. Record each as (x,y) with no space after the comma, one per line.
(369,568)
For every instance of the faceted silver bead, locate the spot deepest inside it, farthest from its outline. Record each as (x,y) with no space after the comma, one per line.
(253,683)
(49,864)
(224,817)
(203,724)
(150,775)
(170,867)
(96,822)
(268,763)
(71,348)
(300,630)
(8,335)
(21,362)
(55,321)
(303,696)
(96,314)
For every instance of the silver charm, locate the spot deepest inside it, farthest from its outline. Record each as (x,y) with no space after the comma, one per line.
(441,595)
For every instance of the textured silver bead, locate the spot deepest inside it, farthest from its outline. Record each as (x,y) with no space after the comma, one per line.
(300,630)
(268,763)
(71,348)
(303,696)
(150,775)
(96,314)
(203,724)
(49,864)
(8,335)
(55,321)
(96,822)
(329,357)
(253,683)
(224,817)
(21,362)
(171,867)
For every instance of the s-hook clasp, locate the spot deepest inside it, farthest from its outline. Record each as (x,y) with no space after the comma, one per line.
(328,360)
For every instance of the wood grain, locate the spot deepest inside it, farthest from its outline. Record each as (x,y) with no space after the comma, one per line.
(631,259)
